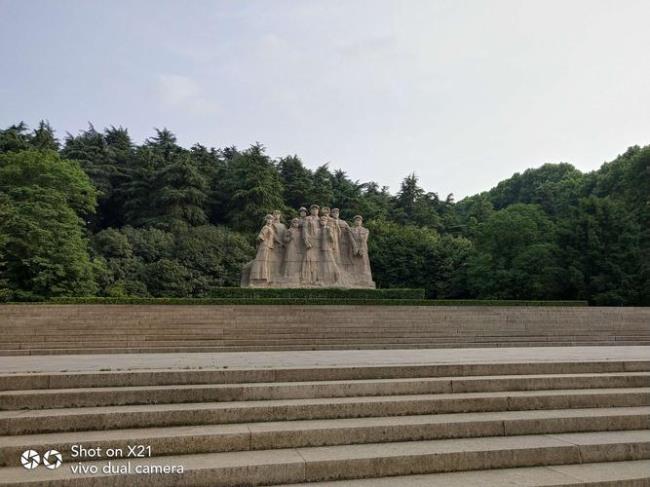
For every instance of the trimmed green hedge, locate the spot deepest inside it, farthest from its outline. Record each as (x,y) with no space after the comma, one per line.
(309,301)
(323,293)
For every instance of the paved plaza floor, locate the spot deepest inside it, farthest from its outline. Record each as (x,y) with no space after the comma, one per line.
(327,358)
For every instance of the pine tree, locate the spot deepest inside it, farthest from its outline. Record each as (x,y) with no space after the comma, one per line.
(297,181)
(180,193)
(323,192)
(14,138)
(104,157)
(43,137)
(252,188)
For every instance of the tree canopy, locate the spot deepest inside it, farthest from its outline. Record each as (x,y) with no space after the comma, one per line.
(101,215)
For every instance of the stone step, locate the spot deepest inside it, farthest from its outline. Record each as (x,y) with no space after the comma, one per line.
(119,417)
(110,396)
(286,328)
(268,467)
(605,474)
(388,329)
(387,325)
(367,346)
(184,440)
(159,377)
(382,328)
(393,331)
(339,340)
(85,349)
(233,316)
(207,346)
(292,418)
(269,340)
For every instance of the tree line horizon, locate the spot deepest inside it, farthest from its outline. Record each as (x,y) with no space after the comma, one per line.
(98,215)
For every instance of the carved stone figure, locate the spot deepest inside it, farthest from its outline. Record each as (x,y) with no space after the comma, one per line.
(302,212)
(311,238)
(318,249)
(278,226)
(329,270)
(293,253)
(341,246)
(260,270)
(361,261)
(344,243)
(277,253)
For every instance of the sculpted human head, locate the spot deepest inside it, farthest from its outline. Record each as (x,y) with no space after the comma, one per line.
(268,219)
(325,211)
(335,213)
(358,220)
(303,212)
(313,210)
(295,223)
(277,214)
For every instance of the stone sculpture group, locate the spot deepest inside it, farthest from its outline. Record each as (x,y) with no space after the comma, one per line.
(317,250)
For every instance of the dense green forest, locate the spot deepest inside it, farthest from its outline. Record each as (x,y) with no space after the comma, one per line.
(98,215)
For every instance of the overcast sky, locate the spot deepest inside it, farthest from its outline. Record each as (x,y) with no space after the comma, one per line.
(463,93)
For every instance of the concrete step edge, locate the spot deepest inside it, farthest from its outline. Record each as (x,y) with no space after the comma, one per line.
(268,467)
(635,473)
(178,394)
(118,417)
(116,378)
(292,434)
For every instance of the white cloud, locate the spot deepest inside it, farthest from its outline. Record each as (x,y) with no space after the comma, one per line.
(462,93)
(181,92)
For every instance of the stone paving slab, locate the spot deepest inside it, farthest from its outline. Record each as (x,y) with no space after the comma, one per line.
(632,473)
(182,440)
(327,358)
(322,463)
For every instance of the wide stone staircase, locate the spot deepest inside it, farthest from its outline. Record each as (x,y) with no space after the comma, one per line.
(464,424)
(72,329)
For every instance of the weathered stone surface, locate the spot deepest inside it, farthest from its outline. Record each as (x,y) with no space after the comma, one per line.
(294,417)
(316,250)
(39,329)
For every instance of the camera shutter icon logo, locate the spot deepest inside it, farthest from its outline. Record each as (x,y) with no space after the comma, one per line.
(52,459)
(30,459)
